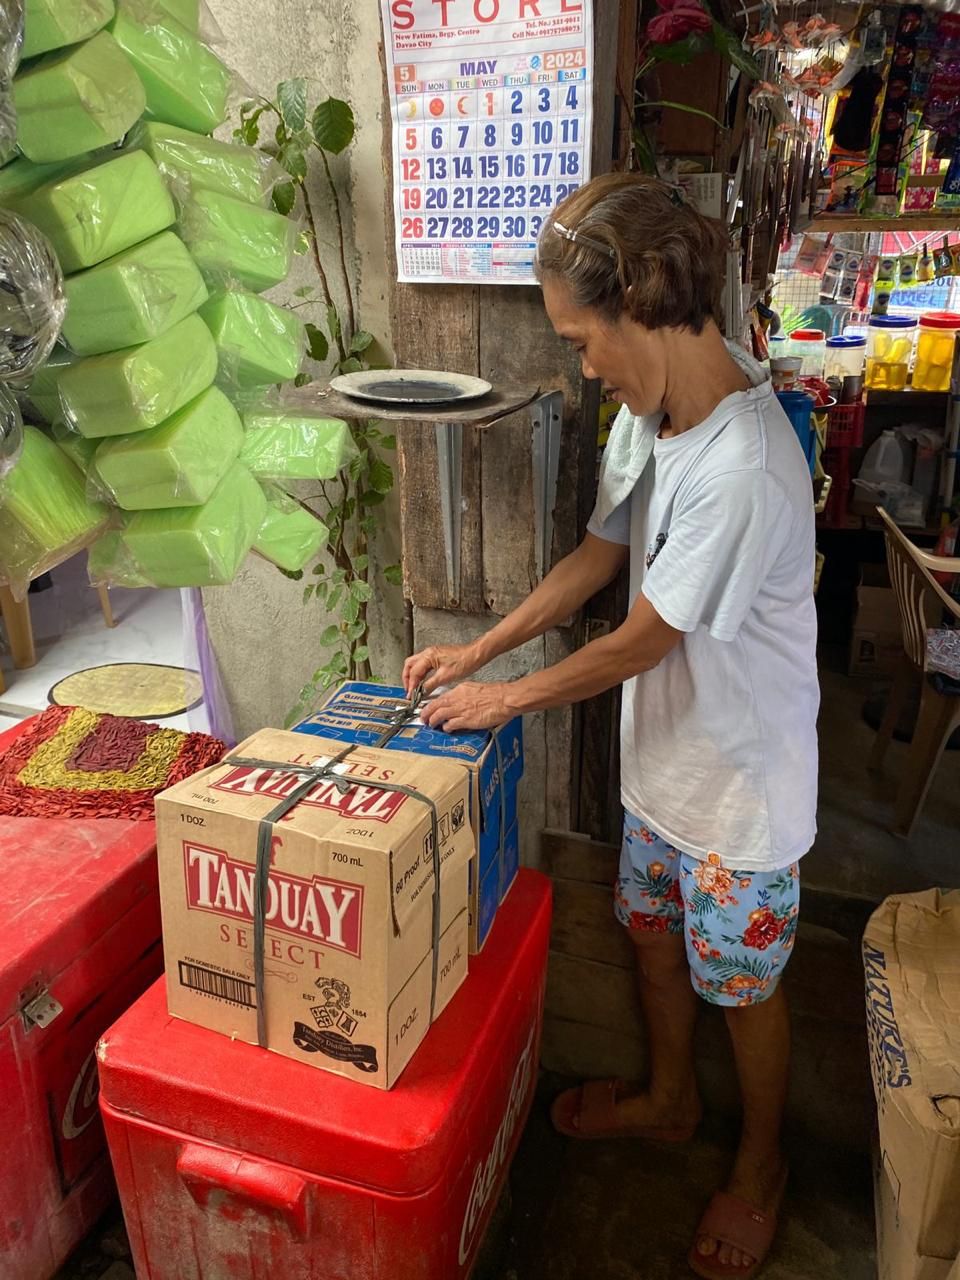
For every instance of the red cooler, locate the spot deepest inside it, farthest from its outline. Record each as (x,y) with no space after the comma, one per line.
(235,1162)
(79,941)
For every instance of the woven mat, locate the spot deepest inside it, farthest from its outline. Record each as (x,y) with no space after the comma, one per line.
(75,762)
(130,689)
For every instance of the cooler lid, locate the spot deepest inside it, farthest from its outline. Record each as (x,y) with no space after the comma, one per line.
(65,882)
(203,1085)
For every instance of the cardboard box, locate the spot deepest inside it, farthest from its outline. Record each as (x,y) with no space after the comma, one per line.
(486,894)
(349,958)
(876,643)
(898,1257)
(911,953)
(361,713)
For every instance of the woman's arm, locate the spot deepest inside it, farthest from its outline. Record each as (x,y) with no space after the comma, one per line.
(638,645)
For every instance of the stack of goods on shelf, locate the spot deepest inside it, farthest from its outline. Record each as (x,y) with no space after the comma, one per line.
(363,713)
(166,238)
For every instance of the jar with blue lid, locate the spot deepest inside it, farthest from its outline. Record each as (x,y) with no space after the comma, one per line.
(845,357)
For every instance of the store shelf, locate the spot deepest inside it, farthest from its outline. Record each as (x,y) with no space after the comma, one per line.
(899,399)
(918,222)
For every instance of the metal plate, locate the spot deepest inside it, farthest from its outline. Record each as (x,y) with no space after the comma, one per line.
(410,386)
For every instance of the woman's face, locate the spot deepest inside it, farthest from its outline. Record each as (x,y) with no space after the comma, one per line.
(626,357)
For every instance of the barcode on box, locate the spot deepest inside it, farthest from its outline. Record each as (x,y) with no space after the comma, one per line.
(209,983)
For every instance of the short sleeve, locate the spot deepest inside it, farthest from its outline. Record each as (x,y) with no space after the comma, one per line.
(616,527)
(720,547)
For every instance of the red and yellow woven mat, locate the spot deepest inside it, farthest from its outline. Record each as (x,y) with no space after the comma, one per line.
(77,763)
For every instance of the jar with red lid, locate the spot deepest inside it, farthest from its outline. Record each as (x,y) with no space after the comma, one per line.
(935,343)
(811,346)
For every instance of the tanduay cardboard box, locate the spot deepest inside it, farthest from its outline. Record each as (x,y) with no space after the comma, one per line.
(349,927)
(363,713)
(911,955)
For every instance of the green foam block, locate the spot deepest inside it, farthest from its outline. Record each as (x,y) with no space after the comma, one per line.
(132,297)
(231,239)
(189,160)
(286,444)
(178,464)
(199,546)
(258,342)
(290,535)
(44,389)
(95,214)
(185,83)
(21,177)
(79,450)
(110,564)
(51,24)
(43,508)
(186,12)
(75,101)
(138,388)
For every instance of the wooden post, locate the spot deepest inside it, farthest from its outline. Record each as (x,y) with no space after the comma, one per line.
(16,618)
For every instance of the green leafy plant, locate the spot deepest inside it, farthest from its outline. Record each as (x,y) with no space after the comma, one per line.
(342,582)
(679,32)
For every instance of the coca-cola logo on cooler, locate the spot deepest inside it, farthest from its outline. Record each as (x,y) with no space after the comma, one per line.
(81,1109)
(486,1175)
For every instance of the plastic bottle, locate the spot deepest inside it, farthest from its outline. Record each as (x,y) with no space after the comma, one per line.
(886,461)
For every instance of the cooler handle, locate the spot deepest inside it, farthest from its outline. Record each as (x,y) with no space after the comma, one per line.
(216,1178)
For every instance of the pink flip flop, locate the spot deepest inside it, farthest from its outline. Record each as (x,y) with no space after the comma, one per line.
(741,1225)
(589,1113)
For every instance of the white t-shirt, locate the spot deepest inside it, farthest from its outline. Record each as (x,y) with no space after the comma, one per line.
(719,741)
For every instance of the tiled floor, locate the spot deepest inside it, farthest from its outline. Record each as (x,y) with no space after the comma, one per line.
(71,635)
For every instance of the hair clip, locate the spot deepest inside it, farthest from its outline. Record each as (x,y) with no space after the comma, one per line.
(577,237)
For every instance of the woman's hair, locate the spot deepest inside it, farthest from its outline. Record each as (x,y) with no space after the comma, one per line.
(630,243)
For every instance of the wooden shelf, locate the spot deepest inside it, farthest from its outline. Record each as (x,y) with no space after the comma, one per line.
(902,398)
(906,222)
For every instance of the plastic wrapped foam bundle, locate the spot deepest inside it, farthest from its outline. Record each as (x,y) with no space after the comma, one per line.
(257,341)
(78,448)
(287,443)
(11,431)
(187,547)
(233,240)
(21,176)
(11,41)
(52,24)
(132,297)
(185,83)
(186,12)
(32,301)
(179,463)
(139,387)
(189,160)
(290,535)
(43,390)
(86,96)
(95,214)
(43,510)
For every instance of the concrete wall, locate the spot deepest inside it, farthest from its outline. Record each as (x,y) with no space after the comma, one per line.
(263,633)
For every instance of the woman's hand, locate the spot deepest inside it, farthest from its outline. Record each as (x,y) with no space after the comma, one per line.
(448,662)
(469,706)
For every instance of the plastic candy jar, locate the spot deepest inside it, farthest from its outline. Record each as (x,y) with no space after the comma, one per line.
(889,348)
(935,343)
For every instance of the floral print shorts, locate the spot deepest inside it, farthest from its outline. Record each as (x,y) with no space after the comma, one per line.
(738,926)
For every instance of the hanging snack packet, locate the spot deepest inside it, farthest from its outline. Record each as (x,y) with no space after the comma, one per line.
(943,261)
(908,270)
(925,266)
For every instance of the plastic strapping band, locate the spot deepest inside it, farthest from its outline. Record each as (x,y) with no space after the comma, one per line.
(503,814)
(312,775)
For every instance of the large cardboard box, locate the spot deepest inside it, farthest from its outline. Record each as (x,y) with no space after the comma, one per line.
(362,713)
(349,918)
(876,643)
(911,953)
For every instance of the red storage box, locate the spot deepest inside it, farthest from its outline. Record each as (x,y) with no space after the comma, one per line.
(79,926)
(234,1161)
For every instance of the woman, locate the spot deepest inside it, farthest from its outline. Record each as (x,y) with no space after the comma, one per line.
(705,492)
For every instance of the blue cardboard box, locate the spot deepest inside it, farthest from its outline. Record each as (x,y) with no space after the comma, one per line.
(361,713)
(485,898)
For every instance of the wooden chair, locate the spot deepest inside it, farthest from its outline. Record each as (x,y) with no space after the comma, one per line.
(922,603)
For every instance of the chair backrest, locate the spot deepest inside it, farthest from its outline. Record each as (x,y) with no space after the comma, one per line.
(917,590)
